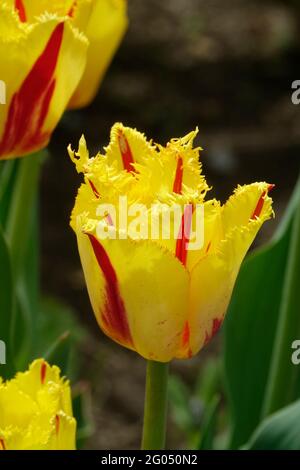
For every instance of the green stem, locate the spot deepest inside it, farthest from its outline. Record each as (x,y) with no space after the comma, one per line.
(156,402)
(283,373)
(20,214)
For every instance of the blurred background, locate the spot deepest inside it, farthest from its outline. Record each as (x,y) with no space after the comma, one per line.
(226,67)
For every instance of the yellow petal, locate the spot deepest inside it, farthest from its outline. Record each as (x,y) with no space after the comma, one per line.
(63,435)
(106,28)
(208,232)
(16,407)
(182,167)
(35,8)
(127,147)
(132,301)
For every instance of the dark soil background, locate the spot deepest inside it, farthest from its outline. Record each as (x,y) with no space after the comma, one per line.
(225,66)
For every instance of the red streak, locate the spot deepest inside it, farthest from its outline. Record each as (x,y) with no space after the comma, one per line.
(208,247)
(2,444)
(72,9)
(184,234)
(57,424)
(19,6)
(115,316)
(186,334)
(30,105)
(126,153)
(260,203)
(177,186)
(186,339)
(217,322)
(95,191)
(43,372)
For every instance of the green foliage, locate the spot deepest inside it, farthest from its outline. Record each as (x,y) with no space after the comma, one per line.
(6,305)
(30,326)
(252,328)
(278,432)
(195,410)
(59,336)
(82,409)
(7,179)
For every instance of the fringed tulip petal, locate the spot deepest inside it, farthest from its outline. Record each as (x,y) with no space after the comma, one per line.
(213,278)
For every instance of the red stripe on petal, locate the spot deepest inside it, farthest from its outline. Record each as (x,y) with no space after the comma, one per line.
(186,340)
(94,189)
(115,316)
(19,6)
(177,186)
(30,105)
(208,247)
(186,334)
(57,424)
(126,153)
(217,322)
(184,234)
(72,9)
(43,372)
(2,444)
(260,204)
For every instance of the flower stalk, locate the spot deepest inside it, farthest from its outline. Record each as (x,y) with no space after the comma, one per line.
(156,404)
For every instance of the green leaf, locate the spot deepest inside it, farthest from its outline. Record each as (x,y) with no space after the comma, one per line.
(58,336)
(209,424)
(18,227)
(209,380)
(82,409)
(7,179)
(281,431)
(6,308)
(250,329)
(284,375)
(21,328)
(59,352)
(179,395)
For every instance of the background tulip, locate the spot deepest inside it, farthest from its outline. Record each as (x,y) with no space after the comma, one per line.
(42,61)
(36,410)
(105,30)
(156,296)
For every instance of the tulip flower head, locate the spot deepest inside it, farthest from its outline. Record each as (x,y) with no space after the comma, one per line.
(51,51)
(43,56)
(36,410)
(162,296)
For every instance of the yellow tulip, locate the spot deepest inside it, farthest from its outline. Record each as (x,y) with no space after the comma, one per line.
(105,30)
(36,410)
(157,296)
(43,57)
